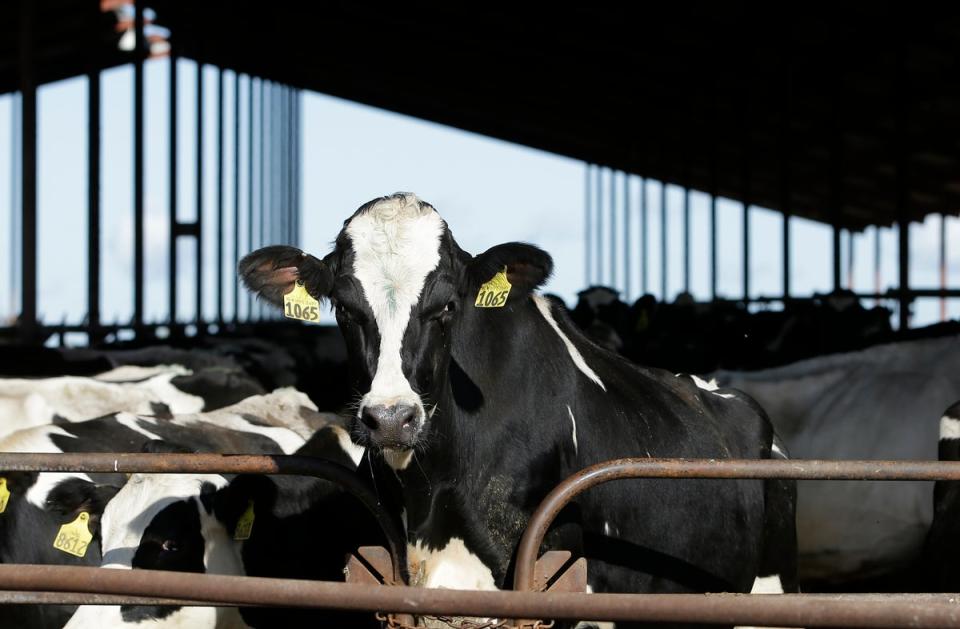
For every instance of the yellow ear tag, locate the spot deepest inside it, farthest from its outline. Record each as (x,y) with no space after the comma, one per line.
(74,537)
(493,294)
(298,304)
(244,524)
(4,494)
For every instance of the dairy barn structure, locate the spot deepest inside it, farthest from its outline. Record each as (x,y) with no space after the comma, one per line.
(846,116)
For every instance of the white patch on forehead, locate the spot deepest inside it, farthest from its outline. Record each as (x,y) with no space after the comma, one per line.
(131,510)
(949,428)
(396,244)
(543,305)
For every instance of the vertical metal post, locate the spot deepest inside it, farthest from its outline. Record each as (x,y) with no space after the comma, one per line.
(686,240)
(599,191)
(713,246)
(786,146)
(28,170)
(172,182)
(199,190)
(902,194)
(943,265)
(261,177)
(587,224)
(221,232)
(850,258)
(250,177)
(139,285)
(876,261)
(644,237)
(837,257)
(627,258)
(613,228)
(663,241)
(93,205)
(236,196)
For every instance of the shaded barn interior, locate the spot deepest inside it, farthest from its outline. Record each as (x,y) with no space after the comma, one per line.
(847,115)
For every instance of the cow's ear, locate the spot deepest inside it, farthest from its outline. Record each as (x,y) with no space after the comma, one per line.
(231,502)
(528,267)
(18,483)
(76,495)
(271,273)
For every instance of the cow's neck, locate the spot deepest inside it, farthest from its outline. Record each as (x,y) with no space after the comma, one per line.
(503,411)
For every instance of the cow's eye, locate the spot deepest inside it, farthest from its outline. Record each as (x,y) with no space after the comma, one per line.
(170,545)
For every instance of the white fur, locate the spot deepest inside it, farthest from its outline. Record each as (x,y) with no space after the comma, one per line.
(352,450)
(126,373)
(25,403)
(396,244)
(767,585)
(706,385)
(573,422)
(776,450)
(543,305)
(949,428)
(105,616)
(130,421)
(452,567)
(397,460)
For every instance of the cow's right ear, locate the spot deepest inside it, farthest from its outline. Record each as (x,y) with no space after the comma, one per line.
(231,502)
(271,273)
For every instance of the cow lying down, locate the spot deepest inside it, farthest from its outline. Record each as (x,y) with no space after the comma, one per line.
(291,527)
(40,504)
(160,390)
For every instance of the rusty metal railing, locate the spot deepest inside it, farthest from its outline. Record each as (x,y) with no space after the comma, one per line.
(799,469)
(811,610)
(167,463)
(785,610)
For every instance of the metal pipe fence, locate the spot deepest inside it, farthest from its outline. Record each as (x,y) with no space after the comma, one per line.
(60,584)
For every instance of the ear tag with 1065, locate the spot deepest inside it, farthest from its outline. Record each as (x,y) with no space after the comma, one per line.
(298,304)
(493,293)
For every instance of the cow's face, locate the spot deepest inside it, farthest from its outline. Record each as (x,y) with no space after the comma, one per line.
(399,284)
(163,522)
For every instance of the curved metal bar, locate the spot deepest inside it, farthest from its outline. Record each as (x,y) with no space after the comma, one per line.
(138,463)
(784,610)
(798,469)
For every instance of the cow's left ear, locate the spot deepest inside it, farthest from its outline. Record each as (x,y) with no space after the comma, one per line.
(528,267)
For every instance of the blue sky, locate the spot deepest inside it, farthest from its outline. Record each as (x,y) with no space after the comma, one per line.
(489,192)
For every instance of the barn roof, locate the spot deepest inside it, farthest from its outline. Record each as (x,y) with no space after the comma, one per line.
(846,113)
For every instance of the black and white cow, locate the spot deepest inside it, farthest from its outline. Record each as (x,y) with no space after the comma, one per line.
(39,504)
(480,411)
(941,561)
(302,528)
(166,390)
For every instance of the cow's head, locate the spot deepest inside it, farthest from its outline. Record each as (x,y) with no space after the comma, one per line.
(399,284)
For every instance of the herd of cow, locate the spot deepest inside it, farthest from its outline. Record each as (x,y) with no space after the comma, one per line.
(471,397)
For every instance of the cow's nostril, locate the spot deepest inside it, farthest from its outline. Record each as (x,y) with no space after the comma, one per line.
(370,419)
(406,415)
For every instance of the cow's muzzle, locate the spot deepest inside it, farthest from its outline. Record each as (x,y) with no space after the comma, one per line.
(391,426)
